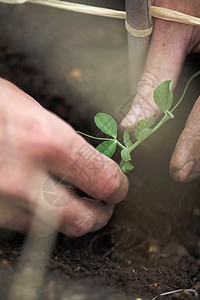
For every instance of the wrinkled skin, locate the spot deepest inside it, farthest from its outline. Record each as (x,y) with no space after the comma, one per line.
(170,43)
(34,144)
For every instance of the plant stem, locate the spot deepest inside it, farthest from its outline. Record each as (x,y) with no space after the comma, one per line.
(102,139)
(168,115)
(185,90)
(164,119)
(120,145)
(94,137)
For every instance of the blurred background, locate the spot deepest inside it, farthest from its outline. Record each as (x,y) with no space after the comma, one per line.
(87,53)
(77,65)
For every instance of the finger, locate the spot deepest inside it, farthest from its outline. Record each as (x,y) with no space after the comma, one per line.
(61,209)
(19,220)
(83,216)
(86,168)
(74,216)
(19,196)
(185,162)
(168,48)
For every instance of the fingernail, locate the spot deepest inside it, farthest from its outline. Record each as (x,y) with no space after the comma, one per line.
(183,173)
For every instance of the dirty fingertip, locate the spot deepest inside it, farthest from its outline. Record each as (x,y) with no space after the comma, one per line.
(123,189)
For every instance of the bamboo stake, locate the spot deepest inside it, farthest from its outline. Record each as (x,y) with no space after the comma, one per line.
(157,12)
(175,16)
(81,8)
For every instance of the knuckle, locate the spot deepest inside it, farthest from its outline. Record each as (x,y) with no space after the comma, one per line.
(43,139)
(34,137)
(52,143)
(143,105)
(144,98)
(40,133)
(147,84)
(189,139)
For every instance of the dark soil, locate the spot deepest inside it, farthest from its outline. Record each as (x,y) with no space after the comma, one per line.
(151,245)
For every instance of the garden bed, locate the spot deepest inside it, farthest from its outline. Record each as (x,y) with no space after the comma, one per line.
(151,245)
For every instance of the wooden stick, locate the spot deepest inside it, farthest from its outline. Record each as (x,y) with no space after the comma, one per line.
(82,8)
(175,16)
(157,12)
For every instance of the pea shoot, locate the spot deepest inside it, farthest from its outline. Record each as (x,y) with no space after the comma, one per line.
(163,97)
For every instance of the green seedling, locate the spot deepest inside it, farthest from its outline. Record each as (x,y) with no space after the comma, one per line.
(163,97)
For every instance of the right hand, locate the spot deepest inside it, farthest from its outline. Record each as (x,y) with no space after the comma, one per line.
(34,144)
(170,44)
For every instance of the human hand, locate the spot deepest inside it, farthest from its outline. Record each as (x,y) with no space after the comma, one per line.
(35,144)
(170,43)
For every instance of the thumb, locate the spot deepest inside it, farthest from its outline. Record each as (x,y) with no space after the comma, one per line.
(185,162)
(168,48)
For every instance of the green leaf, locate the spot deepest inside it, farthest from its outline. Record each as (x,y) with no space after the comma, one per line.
(125,155)
(163,95)
(151,122)
(142,129)
(107,148)
(144,134)
(127,139)
(106,124)
(126,166)
(141,125)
